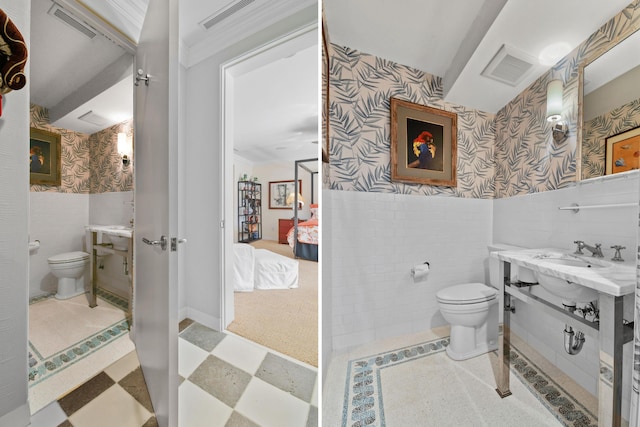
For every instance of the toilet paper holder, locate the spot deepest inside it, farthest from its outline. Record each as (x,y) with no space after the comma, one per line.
(413,270)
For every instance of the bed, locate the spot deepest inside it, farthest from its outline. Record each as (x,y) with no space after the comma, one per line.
(303,237)
(274,271)
(243,267)
(306,246)
(262,269)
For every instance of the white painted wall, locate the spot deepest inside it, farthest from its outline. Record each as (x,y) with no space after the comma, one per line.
(182,193)
(376,238)
(203,197)
(14,237)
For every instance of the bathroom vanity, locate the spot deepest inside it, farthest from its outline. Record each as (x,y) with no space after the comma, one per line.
(572,278)
(114,240)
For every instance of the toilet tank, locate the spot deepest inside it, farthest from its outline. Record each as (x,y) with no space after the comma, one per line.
(517,273)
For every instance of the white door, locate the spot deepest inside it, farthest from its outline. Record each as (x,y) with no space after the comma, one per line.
(156,207)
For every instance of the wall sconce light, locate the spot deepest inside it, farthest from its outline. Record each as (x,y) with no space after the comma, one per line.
(559,128)
(124,148)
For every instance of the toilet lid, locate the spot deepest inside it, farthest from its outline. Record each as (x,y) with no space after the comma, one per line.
(468,293)
(68,257)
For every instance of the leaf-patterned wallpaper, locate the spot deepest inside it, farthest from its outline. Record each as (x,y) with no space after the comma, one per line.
(108,174)
(89,163)
(74,157)
(360,124)
(527,159)
(597,130)
(504,155)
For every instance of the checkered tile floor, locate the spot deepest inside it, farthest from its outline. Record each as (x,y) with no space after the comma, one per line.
(229,381)
(225,381)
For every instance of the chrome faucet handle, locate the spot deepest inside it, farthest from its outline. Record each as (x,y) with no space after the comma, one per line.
(617,256)
(580,245)
(598,251)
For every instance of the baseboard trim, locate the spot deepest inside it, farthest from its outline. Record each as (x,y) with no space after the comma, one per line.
(200,317)
(21,416)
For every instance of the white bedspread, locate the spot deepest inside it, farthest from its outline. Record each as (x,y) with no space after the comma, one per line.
(243,267)
(274,271)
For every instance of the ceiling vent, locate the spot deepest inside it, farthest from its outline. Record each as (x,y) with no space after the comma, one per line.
(72,21)
(94,119)
(224,13)
(509,66)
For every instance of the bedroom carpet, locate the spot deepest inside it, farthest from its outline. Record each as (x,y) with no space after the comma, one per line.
(285,320)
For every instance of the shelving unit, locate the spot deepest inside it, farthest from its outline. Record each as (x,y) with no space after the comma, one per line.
(249,211)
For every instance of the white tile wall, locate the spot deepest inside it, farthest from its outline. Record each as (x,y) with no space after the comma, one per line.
(377,238)
(535,221)
(112,209)
(57,220)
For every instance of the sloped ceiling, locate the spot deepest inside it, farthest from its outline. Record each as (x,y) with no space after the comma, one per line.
(72,74)
(456,39)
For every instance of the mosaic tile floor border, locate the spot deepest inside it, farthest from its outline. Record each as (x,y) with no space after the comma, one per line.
(63,359)
(363,399)
(113,299)
(110,297)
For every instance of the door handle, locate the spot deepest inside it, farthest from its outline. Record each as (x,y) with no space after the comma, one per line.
(162,242)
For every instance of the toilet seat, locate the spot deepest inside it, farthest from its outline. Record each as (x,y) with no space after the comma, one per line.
(468,293)
(68,257)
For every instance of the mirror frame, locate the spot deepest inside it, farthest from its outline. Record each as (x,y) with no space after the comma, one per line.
(593,56)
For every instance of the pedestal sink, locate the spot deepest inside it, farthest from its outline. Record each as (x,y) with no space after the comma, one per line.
(564,263)
(119,236)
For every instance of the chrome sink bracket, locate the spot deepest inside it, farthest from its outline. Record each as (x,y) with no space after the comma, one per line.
(610,377)
(93,292)
(519,284)
(504,334)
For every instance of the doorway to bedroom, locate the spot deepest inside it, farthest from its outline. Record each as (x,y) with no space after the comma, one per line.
(270,118)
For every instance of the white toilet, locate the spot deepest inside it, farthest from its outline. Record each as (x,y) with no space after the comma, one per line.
(472,311)
(69,268)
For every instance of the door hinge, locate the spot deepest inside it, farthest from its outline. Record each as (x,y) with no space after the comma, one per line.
(174,243)
(222,224)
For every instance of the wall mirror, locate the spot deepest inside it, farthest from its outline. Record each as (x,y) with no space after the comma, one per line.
(609,108)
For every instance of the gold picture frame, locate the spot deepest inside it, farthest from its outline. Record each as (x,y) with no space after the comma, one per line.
(325,91)
(423,144)
(44,157)
(622,152)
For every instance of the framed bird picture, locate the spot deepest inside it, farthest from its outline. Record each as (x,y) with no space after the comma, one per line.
(423,144)
(622,152)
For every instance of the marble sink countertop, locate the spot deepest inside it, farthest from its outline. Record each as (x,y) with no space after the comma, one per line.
(616,279)
(114,230)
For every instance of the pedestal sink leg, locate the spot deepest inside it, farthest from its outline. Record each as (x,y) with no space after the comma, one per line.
(93,300)
(504,338)
(610,375)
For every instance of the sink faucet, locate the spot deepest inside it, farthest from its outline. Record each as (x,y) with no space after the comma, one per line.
(595,250)
(617,256)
